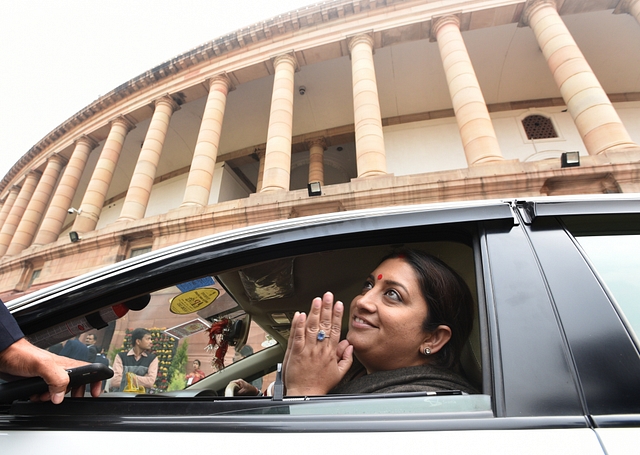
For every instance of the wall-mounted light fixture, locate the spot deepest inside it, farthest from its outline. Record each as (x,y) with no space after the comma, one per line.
(570,159)
(74,237)
(314,188)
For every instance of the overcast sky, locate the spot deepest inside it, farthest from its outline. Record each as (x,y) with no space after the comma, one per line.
(58,57)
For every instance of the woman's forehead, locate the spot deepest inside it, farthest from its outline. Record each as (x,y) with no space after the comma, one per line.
(395,269)
(392,265)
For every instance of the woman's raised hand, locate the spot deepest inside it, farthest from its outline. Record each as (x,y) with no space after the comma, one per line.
(316,360)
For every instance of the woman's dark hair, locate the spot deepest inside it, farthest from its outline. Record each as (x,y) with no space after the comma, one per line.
(448,298)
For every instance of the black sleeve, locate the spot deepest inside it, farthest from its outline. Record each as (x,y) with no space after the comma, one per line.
(9,329)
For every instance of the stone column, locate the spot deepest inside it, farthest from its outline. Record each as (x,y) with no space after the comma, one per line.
(316,160)
(371,157)
(37,205)
(8,204)
(135,203)
(63,197)
(277,160)
(631,7)
(260,154)
(474,123)
(96,193)
(19,206)
(205,153)
(595,117)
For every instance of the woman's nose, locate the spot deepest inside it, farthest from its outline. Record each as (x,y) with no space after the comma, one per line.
(366,302)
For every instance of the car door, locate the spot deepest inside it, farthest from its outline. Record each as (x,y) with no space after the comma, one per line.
(535,385)
(588,253)
(530,400)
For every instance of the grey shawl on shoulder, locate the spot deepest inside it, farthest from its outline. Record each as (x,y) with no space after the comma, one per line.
(422,378)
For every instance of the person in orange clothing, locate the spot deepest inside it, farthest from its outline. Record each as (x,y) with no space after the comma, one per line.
(196,375)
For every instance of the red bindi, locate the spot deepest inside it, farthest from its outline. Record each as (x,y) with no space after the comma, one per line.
(380,276)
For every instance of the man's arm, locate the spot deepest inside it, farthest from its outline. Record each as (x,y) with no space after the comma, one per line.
(18,357)
(117,373)
(150,378)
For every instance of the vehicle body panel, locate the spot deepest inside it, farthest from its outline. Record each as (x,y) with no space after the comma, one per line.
(559,369)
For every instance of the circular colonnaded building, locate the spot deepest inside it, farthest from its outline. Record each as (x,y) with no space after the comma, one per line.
(381,102)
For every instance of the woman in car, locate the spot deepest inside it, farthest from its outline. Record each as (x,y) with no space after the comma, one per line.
(406,330)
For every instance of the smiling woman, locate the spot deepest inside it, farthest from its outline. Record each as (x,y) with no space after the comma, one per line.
(407,329)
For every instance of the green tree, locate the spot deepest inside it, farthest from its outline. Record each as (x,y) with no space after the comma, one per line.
(178,382)
(179,362)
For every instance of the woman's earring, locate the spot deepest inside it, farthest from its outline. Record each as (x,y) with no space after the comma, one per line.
(427,351)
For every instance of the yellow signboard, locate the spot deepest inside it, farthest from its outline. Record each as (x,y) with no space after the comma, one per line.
(194,300)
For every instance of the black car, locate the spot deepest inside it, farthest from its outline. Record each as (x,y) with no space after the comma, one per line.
(553,352)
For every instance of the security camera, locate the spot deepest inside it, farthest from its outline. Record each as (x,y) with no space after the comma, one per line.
(302,89)
(72,210)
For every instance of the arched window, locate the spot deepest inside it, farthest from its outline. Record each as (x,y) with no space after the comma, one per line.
(538,127)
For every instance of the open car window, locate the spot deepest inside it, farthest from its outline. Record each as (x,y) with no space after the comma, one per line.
(262,297)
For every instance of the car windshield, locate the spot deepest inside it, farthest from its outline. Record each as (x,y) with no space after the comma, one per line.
(180,321)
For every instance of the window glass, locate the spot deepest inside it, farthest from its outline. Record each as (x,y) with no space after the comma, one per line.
(34,276)
(616,259)
(178,325)
(138,251)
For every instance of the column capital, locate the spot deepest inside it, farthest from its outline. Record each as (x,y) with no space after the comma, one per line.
(89,141)
(14,189)
(59,158)
(626,6)
(531,7)
(33,173)
(317,141)
(438,22)
(167,100)
(124,122)
(222,79)
(361,38)
(288,57)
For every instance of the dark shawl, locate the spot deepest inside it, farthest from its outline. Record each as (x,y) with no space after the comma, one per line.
(422,378)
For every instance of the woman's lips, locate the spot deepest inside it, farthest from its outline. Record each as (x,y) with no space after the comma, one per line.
(358,322)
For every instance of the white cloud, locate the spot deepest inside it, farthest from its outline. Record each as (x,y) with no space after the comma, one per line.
(58,57)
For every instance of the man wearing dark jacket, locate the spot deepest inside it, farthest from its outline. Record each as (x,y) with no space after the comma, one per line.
(18,357)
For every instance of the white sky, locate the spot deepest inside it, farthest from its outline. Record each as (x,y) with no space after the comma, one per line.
(60,56)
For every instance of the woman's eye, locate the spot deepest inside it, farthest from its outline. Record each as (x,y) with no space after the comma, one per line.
(367,285)
(392,293)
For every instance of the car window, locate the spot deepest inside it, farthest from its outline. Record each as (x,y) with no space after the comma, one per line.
(615,260)
(180,316)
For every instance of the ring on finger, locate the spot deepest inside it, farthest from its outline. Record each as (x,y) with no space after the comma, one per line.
(321,335)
